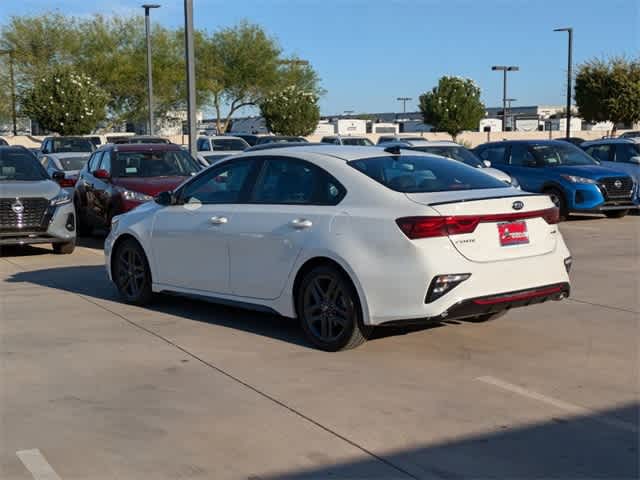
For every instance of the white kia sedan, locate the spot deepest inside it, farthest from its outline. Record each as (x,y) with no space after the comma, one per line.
(344,239)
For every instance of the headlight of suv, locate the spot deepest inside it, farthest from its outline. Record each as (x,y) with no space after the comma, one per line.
(62,199)
(135,196)
(515,183)
(575,179)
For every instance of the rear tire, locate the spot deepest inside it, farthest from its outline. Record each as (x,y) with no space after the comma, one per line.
(131,273)
(559,200)
(616,213)
(64,248)
(329,310)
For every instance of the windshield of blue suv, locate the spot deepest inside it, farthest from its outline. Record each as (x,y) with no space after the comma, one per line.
(423,174)
(552,155)
(20,165)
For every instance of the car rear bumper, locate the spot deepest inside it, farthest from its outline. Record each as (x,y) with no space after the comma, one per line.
(496,303)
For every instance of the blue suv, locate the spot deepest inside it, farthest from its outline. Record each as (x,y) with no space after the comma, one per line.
(576,182)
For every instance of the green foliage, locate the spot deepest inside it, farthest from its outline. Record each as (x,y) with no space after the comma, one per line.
(609,90)
(65,102)
(453,106)
(291,111)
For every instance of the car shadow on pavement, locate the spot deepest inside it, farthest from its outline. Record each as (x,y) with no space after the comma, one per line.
(571,447)
(91,281)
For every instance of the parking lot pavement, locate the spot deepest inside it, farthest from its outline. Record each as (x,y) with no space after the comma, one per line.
(93,388)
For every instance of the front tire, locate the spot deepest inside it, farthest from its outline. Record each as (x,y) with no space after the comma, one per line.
(82,228)
(616,213)
(64,248)
(329,310)
(131,273)
(559,200)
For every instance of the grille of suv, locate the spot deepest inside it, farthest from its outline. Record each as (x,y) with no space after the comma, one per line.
(617,187)
(31,217)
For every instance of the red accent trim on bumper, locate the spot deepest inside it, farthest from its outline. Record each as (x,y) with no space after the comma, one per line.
(518,296)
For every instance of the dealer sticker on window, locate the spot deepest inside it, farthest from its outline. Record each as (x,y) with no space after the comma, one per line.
(513,233)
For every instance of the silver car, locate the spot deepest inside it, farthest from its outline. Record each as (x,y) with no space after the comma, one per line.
(66,155)
(33,208)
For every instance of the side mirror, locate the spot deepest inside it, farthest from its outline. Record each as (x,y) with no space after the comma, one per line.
(45,151)
(635,160)
(102,174)
(57,175)
(486,163)
(165,198)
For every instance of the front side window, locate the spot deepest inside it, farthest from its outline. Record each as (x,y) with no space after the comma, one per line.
(95,161)
(625,151)
(494,154)
(105,164)
(521,156)
(418,174)
(223,184)
(170,163)
(551,155)
(20,165)
(291,181)
(203,145)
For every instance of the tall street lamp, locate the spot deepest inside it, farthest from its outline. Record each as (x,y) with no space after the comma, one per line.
(404,101)
(147,26)
(569,30)
(191,75)
(504,69)
(13,90)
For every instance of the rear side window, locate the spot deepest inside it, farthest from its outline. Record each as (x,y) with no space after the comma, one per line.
(625,151)
(292,181)
(203,145)
(417,174)
(494,154)
(520,156)
(599,152)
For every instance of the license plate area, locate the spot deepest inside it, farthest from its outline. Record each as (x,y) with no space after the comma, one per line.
(513,233)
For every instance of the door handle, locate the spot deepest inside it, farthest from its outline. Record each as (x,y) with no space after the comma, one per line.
(301,223)
(218,220)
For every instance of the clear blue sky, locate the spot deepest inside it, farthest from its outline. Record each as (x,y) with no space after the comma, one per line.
(368,52)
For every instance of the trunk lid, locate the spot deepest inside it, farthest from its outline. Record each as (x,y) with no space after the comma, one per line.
(509,227)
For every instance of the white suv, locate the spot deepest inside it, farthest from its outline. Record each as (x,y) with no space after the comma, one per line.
(344,238)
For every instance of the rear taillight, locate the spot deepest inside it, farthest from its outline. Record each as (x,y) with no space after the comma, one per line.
(67,182)
(425,227)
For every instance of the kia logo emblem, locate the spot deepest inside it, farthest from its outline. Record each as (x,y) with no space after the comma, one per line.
(17,207)
(518,205)
(617,184)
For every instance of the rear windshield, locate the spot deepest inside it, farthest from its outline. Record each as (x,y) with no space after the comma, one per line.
(73,163)
(422,174)
(363,142)
(154,164)
(20,165)
(229,144)
(67,145)
(561,154)
(456,153)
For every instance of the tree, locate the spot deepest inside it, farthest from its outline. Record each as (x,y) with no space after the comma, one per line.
(453,106)
(240,65)
(291,111)
(65,102)
(609,90)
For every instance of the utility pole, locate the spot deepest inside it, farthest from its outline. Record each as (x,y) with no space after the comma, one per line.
(404,101)
(191,75)
(13,91)
(504,69)
(147,27)
(569,30)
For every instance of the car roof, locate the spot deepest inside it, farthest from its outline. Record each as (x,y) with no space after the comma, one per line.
(604,141)
(525,142)
(220,137)
(346,153)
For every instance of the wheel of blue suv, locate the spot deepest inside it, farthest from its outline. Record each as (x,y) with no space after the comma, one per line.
(616,213)
(559,200)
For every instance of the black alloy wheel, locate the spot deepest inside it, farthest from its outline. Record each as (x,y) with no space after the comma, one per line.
(131,273)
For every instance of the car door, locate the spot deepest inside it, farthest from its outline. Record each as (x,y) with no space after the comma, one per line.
(293,201)
(84,187)
(522,164)
(101,191)
(190,241)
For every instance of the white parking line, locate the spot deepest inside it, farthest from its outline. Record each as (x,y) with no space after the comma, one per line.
(569,407)
(37,465)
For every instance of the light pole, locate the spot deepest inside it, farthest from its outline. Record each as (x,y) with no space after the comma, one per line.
(504,69)
(191,75)
(569,30)
(147,27)
(13,90)
(404,101)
